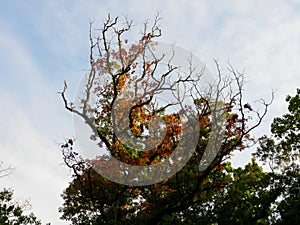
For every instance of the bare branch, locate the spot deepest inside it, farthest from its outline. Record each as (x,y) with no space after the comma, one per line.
(5,171)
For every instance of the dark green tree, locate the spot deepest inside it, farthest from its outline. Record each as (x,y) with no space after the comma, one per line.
(12,213)
(281,153)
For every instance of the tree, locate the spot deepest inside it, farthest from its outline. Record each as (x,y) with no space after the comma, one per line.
(12,213)
(281,153)
(245,199)
(119,106)
(253,196)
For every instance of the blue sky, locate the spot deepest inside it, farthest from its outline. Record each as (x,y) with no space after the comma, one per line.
(43,43)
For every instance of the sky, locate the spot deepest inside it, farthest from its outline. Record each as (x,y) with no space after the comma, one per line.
(43,43)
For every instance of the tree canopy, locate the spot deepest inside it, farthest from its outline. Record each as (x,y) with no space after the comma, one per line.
(281,153)
(118,104)
(12,213)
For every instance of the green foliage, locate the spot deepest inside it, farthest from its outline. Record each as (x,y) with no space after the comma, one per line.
(12,213)
(245,199)
(224,196)
(281,153)
(288,208)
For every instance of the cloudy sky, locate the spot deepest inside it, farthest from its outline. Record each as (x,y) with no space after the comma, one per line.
(43,43)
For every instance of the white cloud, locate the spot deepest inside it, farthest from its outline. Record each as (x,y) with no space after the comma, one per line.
(36,158)
(31,122)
